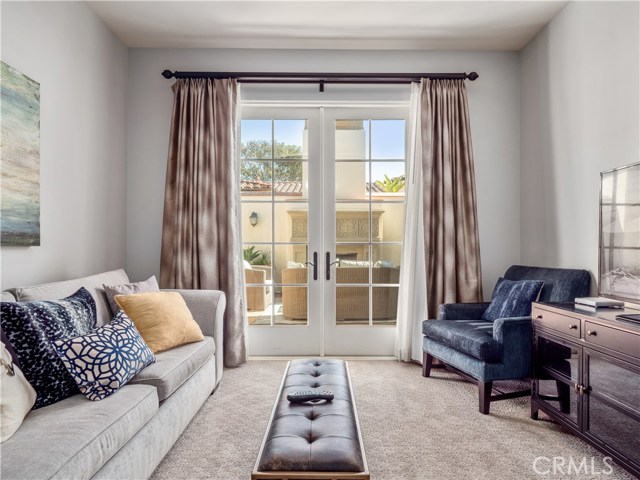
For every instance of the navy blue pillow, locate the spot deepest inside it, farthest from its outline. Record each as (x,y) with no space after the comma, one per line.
(33,327)
(107,358)
(513,299)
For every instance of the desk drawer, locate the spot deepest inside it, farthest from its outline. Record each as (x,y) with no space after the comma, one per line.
(612,338)
(562,323)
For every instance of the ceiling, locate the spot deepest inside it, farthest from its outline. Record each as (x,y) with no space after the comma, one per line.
(341,24)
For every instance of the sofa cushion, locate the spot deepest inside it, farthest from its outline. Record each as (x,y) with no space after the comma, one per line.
(513,299)
(162,318)
(104,361)
(473,337)
(149,285)
(93,283)
(75,437)
(32,327)
(7,297)
(175,366)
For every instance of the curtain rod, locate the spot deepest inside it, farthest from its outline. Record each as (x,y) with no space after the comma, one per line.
(321,78)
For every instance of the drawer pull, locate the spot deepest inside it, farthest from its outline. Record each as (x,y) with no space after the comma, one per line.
(539,317)
(591,333)
(573,327)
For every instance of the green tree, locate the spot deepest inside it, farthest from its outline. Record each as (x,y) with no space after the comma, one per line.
(261,150)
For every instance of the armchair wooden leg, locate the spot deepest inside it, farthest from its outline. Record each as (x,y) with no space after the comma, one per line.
(484,396)
(427,362)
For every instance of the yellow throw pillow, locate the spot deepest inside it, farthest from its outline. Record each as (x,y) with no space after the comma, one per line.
(162,318)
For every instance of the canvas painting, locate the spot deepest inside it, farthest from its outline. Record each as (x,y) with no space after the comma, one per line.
(20,160)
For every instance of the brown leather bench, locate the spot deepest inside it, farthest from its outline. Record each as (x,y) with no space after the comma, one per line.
(313,441)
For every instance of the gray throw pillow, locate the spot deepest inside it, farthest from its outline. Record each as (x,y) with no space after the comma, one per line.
(149,285)
(513,299)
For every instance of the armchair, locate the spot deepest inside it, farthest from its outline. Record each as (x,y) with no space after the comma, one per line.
(258,297)
(484,351)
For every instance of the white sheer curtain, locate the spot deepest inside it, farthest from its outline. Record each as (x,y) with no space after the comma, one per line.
(411,298)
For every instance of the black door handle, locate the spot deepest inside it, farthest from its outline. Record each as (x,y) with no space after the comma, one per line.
(314,265)
(329,263)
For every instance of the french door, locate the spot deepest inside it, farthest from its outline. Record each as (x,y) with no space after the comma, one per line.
(322,193)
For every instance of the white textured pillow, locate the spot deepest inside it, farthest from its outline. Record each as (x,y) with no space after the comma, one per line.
(149,285)
(354,263)
(291,264)
(383,263)
(17,396)
(247,265)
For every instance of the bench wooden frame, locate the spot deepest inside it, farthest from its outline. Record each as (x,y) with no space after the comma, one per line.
(310,475)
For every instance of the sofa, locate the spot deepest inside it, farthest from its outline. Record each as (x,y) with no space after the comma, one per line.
(352,302)
(126,435)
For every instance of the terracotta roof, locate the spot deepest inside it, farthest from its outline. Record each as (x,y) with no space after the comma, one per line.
(259,187)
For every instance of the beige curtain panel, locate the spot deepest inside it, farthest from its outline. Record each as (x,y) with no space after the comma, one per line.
(452,247)
(201,229)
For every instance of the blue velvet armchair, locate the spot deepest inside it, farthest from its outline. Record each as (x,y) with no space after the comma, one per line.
(484,351)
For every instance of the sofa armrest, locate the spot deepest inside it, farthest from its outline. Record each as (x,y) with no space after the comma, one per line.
(516,336)
(462,311)
(207,308)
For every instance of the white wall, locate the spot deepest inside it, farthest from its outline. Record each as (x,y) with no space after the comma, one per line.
(579,116)
(494,103)
(81,67)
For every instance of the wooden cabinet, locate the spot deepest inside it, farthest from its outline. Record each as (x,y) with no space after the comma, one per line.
(587,377)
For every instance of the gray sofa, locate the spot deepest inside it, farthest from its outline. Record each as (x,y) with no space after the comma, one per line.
(127,434)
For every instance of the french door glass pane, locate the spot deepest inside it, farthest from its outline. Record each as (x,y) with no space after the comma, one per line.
(387,139)
(291,224)
(369,202)
(293,307)
(352,306)
(256,139)
(290,139)
(384,305)
(260,214)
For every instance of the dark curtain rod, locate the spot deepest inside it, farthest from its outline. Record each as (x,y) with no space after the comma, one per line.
(322,78)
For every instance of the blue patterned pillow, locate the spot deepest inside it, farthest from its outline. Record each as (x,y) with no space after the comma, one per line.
(107,358)
(32,327)
(513,299)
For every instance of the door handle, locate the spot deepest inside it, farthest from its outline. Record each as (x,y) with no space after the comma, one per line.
(329,263)
(314,265)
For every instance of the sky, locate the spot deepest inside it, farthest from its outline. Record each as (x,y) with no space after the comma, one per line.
(387,140)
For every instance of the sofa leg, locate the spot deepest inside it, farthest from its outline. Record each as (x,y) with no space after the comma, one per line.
(427,362)
(484,396)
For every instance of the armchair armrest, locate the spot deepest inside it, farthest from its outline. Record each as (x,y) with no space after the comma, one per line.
(462,311)
(207,308)
(516,336)
(254,276)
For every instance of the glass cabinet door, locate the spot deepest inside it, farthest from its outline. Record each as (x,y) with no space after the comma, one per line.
(557,373)
(613,404)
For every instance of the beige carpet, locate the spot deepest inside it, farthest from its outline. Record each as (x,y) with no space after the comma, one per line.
(413,428)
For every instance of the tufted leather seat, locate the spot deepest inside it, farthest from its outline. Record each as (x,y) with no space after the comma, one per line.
(319,438)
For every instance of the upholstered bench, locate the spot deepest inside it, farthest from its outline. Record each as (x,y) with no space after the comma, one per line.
(320,441)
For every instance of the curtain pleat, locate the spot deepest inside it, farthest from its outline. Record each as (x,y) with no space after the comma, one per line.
(451,242)
(201,227)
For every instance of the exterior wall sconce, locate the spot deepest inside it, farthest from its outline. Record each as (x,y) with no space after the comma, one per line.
(253,219)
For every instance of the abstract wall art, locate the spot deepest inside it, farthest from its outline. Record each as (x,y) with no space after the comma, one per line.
(20,158)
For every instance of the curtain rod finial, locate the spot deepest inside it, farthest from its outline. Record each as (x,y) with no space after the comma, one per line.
(167,74)
(472,76)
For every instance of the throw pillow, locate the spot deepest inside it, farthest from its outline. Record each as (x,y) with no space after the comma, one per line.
(162,318)
(513,299)
(291,264)
(106,359)
(17,396)
(33,327)
(149,285)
